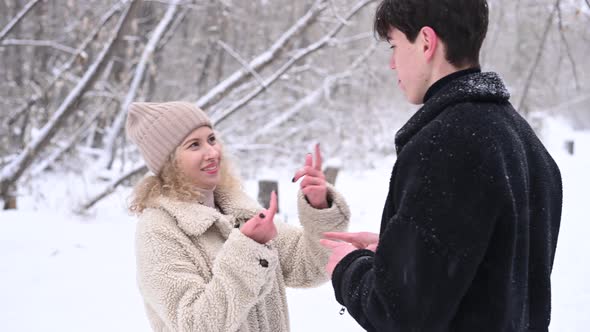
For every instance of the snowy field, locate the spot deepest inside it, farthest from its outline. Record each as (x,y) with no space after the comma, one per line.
(65,272)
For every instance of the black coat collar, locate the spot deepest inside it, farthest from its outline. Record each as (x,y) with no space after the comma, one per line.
(476,87)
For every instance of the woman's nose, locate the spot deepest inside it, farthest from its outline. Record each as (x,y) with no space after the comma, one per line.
(212,152)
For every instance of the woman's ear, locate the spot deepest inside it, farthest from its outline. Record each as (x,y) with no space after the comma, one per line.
(429,42)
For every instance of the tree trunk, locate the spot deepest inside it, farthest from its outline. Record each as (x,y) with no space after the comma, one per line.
(14,170)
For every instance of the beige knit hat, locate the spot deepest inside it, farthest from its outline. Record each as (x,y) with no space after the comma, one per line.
(158,128)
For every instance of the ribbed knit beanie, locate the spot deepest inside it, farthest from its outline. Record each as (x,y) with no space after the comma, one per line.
(158,128)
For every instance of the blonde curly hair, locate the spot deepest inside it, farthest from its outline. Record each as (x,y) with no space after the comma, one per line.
(172,183)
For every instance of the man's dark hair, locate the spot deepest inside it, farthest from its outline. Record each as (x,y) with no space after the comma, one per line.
(460,24)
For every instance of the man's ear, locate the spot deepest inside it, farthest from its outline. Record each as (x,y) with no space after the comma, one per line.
(429,42)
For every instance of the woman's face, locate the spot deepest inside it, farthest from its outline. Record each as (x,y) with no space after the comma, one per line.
(199,158)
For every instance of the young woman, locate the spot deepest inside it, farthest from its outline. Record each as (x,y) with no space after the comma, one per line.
(209,258)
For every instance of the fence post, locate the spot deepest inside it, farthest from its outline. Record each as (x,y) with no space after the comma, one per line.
(10,202)
(265,187)
(331,173)
(569,146)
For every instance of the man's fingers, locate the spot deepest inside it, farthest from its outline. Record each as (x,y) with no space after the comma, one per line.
(318,158)
(330,244)
(342,236)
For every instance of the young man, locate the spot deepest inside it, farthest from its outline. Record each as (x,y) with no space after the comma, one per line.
(470,224)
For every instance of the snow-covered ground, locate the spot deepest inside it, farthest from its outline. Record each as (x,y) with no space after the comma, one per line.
(64,272)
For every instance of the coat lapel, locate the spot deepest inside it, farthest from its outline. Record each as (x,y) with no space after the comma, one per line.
(194,218)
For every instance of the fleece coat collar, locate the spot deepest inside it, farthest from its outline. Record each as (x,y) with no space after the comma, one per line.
(195,218)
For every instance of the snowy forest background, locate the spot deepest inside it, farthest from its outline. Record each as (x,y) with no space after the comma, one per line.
(275,76)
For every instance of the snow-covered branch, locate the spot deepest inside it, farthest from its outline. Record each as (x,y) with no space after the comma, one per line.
(68,64)
(221,116)
(12,172)
(138,76)
(243,62)
(263,59)
(351,39)
(72,140)
(17,18)
(567,47)
(324,90)
(111,187)
(43,43)
(538,56)
(172,29)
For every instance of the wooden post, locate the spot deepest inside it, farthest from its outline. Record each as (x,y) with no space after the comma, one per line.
(10,202)
(569,146)
(265,187)
(331,174)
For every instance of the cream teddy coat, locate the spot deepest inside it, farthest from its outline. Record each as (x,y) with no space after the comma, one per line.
(197,272)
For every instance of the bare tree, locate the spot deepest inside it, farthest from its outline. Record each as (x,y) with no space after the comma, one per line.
(77,56)
(217,118)
(138,76)
(263,59)
(12,172)
(110,188)
(531,73)
(271,74)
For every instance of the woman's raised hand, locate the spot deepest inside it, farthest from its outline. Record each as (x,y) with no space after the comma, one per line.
(261,228)
(313,184)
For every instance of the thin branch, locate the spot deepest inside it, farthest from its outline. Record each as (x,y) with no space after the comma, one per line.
(258,147)
(538,56)
(170,32)
(72,140)
(110,188)
(17,18)
(43,43)
(312,98)
(335,13)
(138,76)
(568,104)
(567,48)
(296,57)
(68,64)
(243,62)
(13,171)
(262,60)
(351,39)
(188,4)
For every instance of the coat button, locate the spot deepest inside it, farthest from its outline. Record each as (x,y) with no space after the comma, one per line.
(263,262)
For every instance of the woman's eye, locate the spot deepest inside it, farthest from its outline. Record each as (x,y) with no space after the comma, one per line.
(212,140)
(194,145)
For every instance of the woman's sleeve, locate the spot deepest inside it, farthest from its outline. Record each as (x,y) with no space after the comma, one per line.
(178,288)
(303,260)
